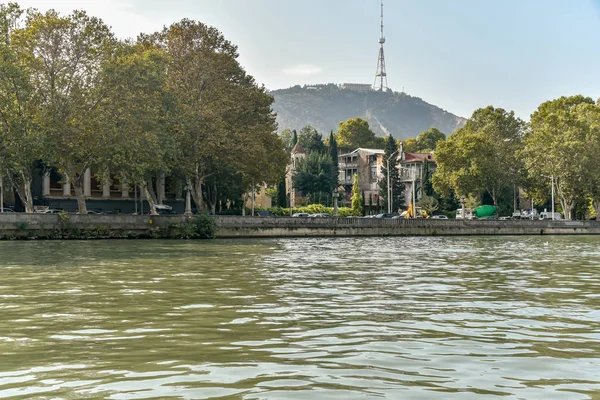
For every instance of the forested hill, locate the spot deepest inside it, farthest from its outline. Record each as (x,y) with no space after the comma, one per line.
(387,112)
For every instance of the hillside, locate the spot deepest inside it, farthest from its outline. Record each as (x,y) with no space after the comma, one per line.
(387,112)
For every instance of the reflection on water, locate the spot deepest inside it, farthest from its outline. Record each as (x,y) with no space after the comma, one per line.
(312,318)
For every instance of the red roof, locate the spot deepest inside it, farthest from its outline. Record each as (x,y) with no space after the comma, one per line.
(417,157)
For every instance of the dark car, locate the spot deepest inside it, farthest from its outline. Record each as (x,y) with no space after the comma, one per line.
(6,210)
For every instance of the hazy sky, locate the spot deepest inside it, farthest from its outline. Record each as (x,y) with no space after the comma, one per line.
(457,54)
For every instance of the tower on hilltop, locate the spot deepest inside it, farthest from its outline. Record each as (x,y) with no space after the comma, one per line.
(381,75)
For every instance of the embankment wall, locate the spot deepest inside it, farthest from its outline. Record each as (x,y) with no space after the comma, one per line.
(73,226)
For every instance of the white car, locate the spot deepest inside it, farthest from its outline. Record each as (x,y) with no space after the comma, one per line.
(296,215)
(439,217)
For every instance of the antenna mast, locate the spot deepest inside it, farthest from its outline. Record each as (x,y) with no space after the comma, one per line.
(381,75)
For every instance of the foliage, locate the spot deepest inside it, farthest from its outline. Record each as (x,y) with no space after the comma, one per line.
(391,154)
(410,145)
(482,156)
(287,138)
(311,139)
(357,198)
(427,141)
(355,132)
(398,114)
(562,143)
(315,175)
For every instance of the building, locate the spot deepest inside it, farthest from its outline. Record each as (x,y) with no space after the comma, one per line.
(297,153)
(367,164)
(413,170)
(357,87)
(49,190)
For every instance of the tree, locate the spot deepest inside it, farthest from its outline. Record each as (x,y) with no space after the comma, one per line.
(133,117)
(391,154)
(355,132)
(427,140)
(294,137)
(65,56)
(287,138)
(363,206)
(21,139)
(311,139)
(313,175)
(333,150)
(356,197)
(282,193)
(482,156)
(557,146)
(410,145)
(221,114)
(590,114)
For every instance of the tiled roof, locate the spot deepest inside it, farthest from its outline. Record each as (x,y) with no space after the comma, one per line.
(298,149)
(417,157)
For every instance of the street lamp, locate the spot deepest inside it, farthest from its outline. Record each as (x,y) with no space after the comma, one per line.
(389,188)
(552,197)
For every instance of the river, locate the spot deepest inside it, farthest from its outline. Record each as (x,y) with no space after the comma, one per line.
(319,318)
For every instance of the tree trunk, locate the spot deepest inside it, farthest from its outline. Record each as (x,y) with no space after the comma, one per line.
(244,200)
(214,199)
(151,200)
(22,185)
(77,182)
(567,205)
(596,205)
(151,194)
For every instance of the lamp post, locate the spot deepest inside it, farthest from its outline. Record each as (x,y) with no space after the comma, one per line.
(1,195)
(188,201)
(390,191)
(552,197)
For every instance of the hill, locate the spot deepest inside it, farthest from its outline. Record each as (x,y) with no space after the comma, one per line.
(324,106)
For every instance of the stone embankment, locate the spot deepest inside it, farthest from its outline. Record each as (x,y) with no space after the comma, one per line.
(55,226)
(230,227)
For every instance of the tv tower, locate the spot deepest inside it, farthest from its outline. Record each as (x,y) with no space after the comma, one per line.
(381,75)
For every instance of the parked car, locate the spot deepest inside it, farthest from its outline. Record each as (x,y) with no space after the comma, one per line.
(6,210)
(439,217)
(399,217)
(384,215)
(296,215)
(548,215)
(163,209)
(320,215)
(54,211)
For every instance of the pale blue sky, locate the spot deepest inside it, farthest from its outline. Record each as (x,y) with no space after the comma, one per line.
(457,54)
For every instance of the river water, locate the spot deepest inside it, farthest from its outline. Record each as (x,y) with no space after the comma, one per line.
(322,318)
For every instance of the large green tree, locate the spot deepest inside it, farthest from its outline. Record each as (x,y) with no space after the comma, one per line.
(355,132)
(560,145)
(482,156)
(65,56)
(314,175)
(311,139)
(427,141)
(134,117)
(21,139)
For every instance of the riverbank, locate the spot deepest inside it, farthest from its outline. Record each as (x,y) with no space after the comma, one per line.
(67,226)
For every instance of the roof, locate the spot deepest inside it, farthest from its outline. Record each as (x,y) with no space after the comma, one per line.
(417,157)
(367,151)
(298,149)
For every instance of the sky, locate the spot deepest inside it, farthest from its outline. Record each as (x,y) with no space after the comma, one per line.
(457,54)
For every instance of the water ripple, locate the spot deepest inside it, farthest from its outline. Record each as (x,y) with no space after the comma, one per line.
(337,318)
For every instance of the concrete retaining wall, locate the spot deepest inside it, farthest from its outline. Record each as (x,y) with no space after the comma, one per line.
(289,227)
(17,225)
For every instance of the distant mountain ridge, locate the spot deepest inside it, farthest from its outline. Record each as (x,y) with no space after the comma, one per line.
(325,106)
